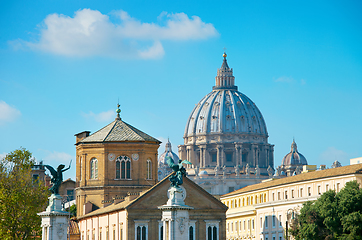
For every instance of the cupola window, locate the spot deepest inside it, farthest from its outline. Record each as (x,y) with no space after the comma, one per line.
(123,167)
(149,169)
(94,168)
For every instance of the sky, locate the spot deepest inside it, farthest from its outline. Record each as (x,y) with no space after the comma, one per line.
(64,65)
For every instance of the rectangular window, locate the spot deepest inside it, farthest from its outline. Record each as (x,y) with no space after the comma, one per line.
(338,186)
(141,230)
(286,194)
(278,195)
(232,227)
(327,187)
(100,233)
(249,224)
(319,190)
(273,221)
(244,226)
(266,222)
(252,224)
(280,220)
(261,222)
(309,191)
(273,197)
(301,192)
(292,193)
(214,157)
(229,157)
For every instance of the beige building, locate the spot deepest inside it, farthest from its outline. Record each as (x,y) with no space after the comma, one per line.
(112,163)
(261,211)
(137,217)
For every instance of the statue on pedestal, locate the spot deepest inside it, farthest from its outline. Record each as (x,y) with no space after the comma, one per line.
(57,176)
(178,171)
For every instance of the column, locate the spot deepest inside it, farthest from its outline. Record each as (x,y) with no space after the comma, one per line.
(237,155)
(254,147)
(219,158)
(241,155)
(202,165)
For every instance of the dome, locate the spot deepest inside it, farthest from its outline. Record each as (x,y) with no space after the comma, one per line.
(168,153)
(203,173)
(225,110)
(294,157)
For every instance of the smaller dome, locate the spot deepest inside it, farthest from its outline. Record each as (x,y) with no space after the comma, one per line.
(294,157)
(203,173)
(168,153)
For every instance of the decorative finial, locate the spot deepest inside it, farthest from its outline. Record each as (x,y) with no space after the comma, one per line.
(118,111)
(224,55)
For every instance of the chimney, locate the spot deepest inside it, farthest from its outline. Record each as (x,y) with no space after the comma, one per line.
(81,136)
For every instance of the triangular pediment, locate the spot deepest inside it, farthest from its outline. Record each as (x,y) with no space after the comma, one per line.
(196,197)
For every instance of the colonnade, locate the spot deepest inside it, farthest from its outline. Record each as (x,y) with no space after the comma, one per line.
(253,154)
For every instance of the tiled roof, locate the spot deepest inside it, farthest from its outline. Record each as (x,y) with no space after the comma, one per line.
(73,227)
(119,131)
(333,172)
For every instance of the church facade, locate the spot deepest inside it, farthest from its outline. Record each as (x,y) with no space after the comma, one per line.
(226,138)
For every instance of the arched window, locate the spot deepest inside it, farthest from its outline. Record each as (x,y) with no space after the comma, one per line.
(94,168)
(191,233)
(149,169)
(123,167)
(118,169)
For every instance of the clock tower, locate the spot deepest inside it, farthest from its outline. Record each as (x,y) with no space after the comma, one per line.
(114,162)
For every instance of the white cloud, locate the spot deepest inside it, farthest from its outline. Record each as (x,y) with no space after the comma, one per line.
(332,154)
(61,157)
(91,33)
(102,116)
(8,113)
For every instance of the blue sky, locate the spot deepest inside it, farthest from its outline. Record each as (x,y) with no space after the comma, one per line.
(64,65)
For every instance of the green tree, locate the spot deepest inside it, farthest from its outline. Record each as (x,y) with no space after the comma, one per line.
(21,198)
(73,210)
(332,216)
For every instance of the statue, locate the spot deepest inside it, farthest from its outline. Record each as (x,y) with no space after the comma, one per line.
(224,171)
(257,171)
(237,170)
(247,169)
(57,178)
(270,171)
(216,169)
(196,171)
(178,171)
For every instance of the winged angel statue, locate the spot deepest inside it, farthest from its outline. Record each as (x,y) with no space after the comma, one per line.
(57,176)
(178,171)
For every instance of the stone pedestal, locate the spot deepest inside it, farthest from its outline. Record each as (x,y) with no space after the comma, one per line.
(54,221)
(175,215)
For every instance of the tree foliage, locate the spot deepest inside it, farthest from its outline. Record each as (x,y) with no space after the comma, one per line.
(332,216)
(21,198)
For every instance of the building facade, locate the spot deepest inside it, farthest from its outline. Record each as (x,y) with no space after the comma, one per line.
(138,217)
(226,135)
(112,163)
(261,211)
